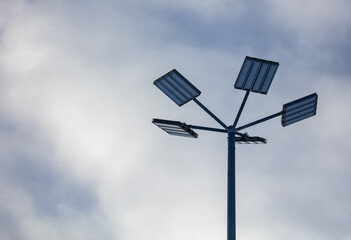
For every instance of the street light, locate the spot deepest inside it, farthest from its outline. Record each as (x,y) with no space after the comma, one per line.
(174,128)
(299,109)
(256,75)
(177,87)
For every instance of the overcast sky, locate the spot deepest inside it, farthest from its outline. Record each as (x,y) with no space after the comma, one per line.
(80,158)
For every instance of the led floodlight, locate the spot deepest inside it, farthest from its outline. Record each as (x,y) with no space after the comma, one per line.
(175,128)
(299,109)
(246,139)
(177,87)
(256,75)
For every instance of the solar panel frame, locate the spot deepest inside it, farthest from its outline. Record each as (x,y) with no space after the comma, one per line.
(299,109)
(256,75)
(177,87)
(175,128)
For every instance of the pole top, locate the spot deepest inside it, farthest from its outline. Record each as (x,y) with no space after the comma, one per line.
(231,129)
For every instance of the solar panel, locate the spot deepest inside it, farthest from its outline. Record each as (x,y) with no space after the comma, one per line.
(177,87)
(246,139)
(299,109)
(174,128)
(256,75)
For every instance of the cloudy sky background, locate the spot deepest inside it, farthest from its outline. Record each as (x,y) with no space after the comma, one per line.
(80,159)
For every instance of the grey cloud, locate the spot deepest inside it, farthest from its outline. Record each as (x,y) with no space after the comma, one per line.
(85,112)
(47,189)
(28,165)
(8,225)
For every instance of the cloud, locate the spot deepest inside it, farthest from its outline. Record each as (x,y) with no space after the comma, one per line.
(81,159)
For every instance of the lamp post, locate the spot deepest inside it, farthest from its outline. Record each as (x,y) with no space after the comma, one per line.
(256,75)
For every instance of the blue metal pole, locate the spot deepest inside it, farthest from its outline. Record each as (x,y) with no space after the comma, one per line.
(207,128)
(210,113)
(241,108)
(231,225)
(259,121)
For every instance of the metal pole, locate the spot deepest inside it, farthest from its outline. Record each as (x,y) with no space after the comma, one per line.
(207,128)
(259,121)
(231,225)
(210,113)
(241,108)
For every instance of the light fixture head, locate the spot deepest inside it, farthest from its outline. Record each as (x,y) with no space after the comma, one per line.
(175,128)
(256,75)
(299,109)
(177,87)
(246,139)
